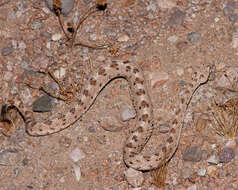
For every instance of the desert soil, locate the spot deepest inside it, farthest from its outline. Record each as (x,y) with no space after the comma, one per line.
(167,38)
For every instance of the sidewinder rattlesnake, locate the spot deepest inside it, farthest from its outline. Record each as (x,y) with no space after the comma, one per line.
(142,132)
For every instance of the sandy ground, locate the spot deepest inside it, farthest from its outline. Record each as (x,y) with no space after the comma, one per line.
(166,38)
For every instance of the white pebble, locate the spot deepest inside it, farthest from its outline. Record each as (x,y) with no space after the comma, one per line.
(202,172)
(123,38)
(46,10)
(127,114)
(172,39)
(134,177)
(56,37)
(62,180)
(77,155)
(193,187)
(22,45)
(85,139)
(213,159)
(93,37)
(211,170)
(48,45)
(7,76)
(60,73)
(166,4)
(180,71)
(77,172)
(151,7)
(217,19)
(214,146)
(231,143)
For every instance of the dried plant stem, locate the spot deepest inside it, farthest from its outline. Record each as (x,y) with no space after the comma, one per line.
(83,18)
(61,25)
(226,118)
(159,176)
(66,95)
(89,46)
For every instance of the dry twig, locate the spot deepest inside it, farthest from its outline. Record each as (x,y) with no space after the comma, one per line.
(226,118)
(159,176)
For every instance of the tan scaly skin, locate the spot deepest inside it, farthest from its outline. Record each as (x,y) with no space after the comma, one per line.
(141,133)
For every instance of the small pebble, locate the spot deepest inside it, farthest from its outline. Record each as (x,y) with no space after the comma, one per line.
(193,154)
(24,65)
(216,19)
(177,18)
(194,37)
(202,172)
(134,177)
(214,159)
(29,187)
(101,139)
(164,128)
(7,51)
(91,128)
(193,187)
(17,171)
(62,180)
(46,10)
(172,39)
(87,1)
(151,7)
(229,8)
(8,150)
(22,45)
(166,4)
(187,172)
(211,171)
(48,46)
(25,162)
(127,114)
(77,172)
(42,104)
(21,6)
(233,18)
(115,188)
(7,76)
(65,141)
(56,37)
(231,143)
(226,155)
(77,155)
(109,123)
(45,34)
(60,73)
(93,37)
(37,24)
(180,71)
(123,38)
(182,45)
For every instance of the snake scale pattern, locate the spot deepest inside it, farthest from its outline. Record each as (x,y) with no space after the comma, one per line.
(141,133)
